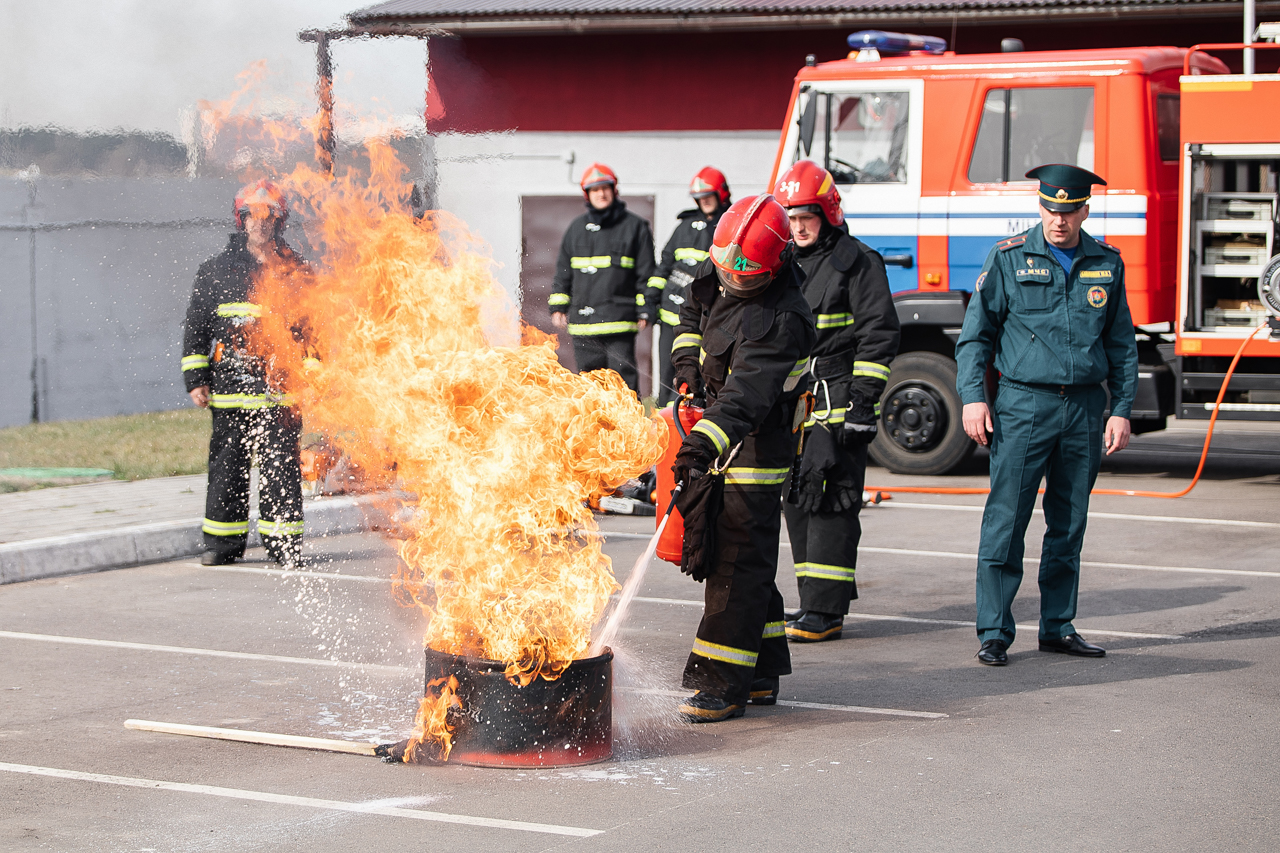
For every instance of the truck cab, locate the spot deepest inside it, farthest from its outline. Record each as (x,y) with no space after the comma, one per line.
(929,150)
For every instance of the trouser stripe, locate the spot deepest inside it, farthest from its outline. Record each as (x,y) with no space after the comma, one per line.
(820,570)
(773,630)
(225,528)
(727,654)
(279,528)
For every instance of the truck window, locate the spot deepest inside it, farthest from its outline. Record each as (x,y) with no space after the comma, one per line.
(1028,127)
(867,138)
(1168,123)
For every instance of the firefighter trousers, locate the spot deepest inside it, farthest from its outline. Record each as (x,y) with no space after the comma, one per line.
(615,352)
(824,546)
(239,436)
(742,636)
(1038,435)
(665,392)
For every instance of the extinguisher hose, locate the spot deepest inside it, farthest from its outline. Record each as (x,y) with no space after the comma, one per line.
(675,411)
(1204,453)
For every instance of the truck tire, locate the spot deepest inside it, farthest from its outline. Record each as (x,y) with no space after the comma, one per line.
(920,428)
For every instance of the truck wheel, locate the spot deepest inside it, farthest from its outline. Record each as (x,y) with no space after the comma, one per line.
(920,427)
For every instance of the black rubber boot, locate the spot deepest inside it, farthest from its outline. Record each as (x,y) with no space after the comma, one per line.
(764,691)
(702,707)
(814,627)
(217,558)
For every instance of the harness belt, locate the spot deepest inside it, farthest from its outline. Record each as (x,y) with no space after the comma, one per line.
(1051,388)
(838,366)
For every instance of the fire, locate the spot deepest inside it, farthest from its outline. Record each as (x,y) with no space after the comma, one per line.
(433,726)
(421,373)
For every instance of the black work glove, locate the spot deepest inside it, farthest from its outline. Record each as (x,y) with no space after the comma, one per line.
(860,422)
(700,504)
(688,380)
(820,458)
(693,460)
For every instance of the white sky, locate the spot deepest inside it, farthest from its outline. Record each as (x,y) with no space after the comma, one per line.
(136,64)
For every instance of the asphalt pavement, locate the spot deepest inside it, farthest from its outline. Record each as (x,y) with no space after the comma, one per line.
(891,739)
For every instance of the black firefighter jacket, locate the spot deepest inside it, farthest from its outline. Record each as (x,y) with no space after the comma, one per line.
(214,340)
(848,291)
(605,260)
(688,247)
(753,354)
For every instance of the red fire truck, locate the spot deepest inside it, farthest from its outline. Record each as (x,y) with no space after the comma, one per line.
(929,149)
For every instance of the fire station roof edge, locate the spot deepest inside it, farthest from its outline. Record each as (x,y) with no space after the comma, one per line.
(505,17)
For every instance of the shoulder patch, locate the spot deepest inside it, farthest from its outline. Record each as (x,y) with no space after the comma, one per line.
(845,254)
(1106,246)
(1011,242)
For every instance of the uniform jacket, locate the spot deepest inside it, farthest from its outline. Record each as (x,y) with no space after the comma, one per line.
(214,350)
(605,260)
(753,355)
(1041,325)
(687,248)
(848,292)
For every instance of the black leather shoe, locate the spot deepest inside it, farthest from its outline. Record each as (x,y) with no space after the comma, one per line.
(702,707)
(215,558)
(814,627)
(993,653)
(764,691)
(1072,644)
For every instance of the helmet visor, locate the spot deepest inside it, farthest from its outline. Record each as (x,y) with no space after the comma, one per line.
(744,284)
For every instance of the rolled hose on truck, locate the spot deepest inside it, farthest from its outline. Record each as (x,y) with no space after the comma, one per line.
(876,491)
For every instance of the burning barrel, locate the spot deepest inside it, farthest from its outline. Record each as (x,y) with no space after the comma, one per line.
(563,722)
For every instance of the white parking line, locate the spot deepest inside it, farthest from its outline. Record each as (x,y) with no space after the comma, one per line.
(813,706)
(1164,519)
(290,573)
(372,808)
(956,555)
(217,653)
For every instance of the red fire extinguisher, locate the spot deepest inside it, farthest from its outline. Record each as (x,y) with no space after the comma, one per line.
(680,419)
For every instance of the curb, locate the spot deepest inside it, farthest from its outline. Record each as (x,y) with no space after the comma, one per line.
(122,547)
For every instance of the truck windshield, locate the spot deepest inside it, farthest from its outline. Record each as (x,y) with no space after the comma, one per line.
(861,138)
(1028,127)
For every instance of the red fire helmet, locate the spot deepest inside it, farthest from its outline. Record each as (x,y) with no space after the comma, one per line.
(748,244)
(710,181)
(598,174)
(264,195)
(808,183)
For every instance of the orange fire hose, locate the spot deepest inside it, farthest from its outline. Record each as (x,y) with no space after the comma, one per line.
(1204,453)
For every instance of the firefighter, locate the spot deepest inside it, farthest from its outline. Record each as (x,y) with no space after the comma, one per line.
(686,249)
(251,419)
(848,292)
(1049,309)
(743,343)
(598,294)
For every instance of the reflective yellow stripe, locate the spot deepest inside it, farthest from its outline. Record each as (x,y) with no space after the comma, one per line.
(627,263)
(713,432)
(657,282)
(877,408)
(691,255)
(558,299)
(756,476)
(833,321)
(836,417)
(249,401)
(774,629)
(639,300)
(819,570)
(595,261)
(603,328)
(688,339)
(225,528)
(194,362)
(870,368)
(801,366)
(239,309)
(279,528)
(671,318)
(728,654)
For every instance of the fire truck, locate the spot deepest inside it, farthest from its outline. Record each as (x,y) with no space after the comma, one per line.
(929,149)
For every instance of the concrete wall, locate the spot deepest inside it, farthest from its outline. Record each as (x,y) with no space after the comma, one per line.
(95,275)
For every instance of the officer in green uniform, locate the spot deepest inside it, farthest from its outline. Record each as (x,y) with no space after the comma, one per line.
(1049,311)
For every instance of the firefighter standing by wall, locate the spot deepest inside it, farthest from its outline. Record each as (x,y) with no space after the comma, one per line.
(857,326)
(250,418)
(598,294)
(686,249)
(743,342)
(1050,309)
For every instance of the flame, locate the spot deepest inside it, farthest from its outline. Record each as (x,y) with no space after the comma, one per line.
(420,372)
(432,725)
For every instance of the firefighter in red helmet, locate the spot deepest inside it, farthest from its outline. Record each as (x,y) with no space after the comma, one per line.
(685,250)
(742,343)
(848,292)
(598,294)
(250,417)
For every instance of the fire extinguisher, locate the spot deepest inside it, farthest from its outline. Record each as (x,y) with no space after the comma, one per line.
(680,419)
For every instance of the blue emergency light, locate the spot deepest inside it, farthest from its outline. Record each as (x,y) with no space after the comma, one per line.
(895,44)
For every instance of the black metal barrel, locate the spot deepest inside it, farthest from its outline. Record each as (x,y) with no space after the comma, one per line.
(543,724)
